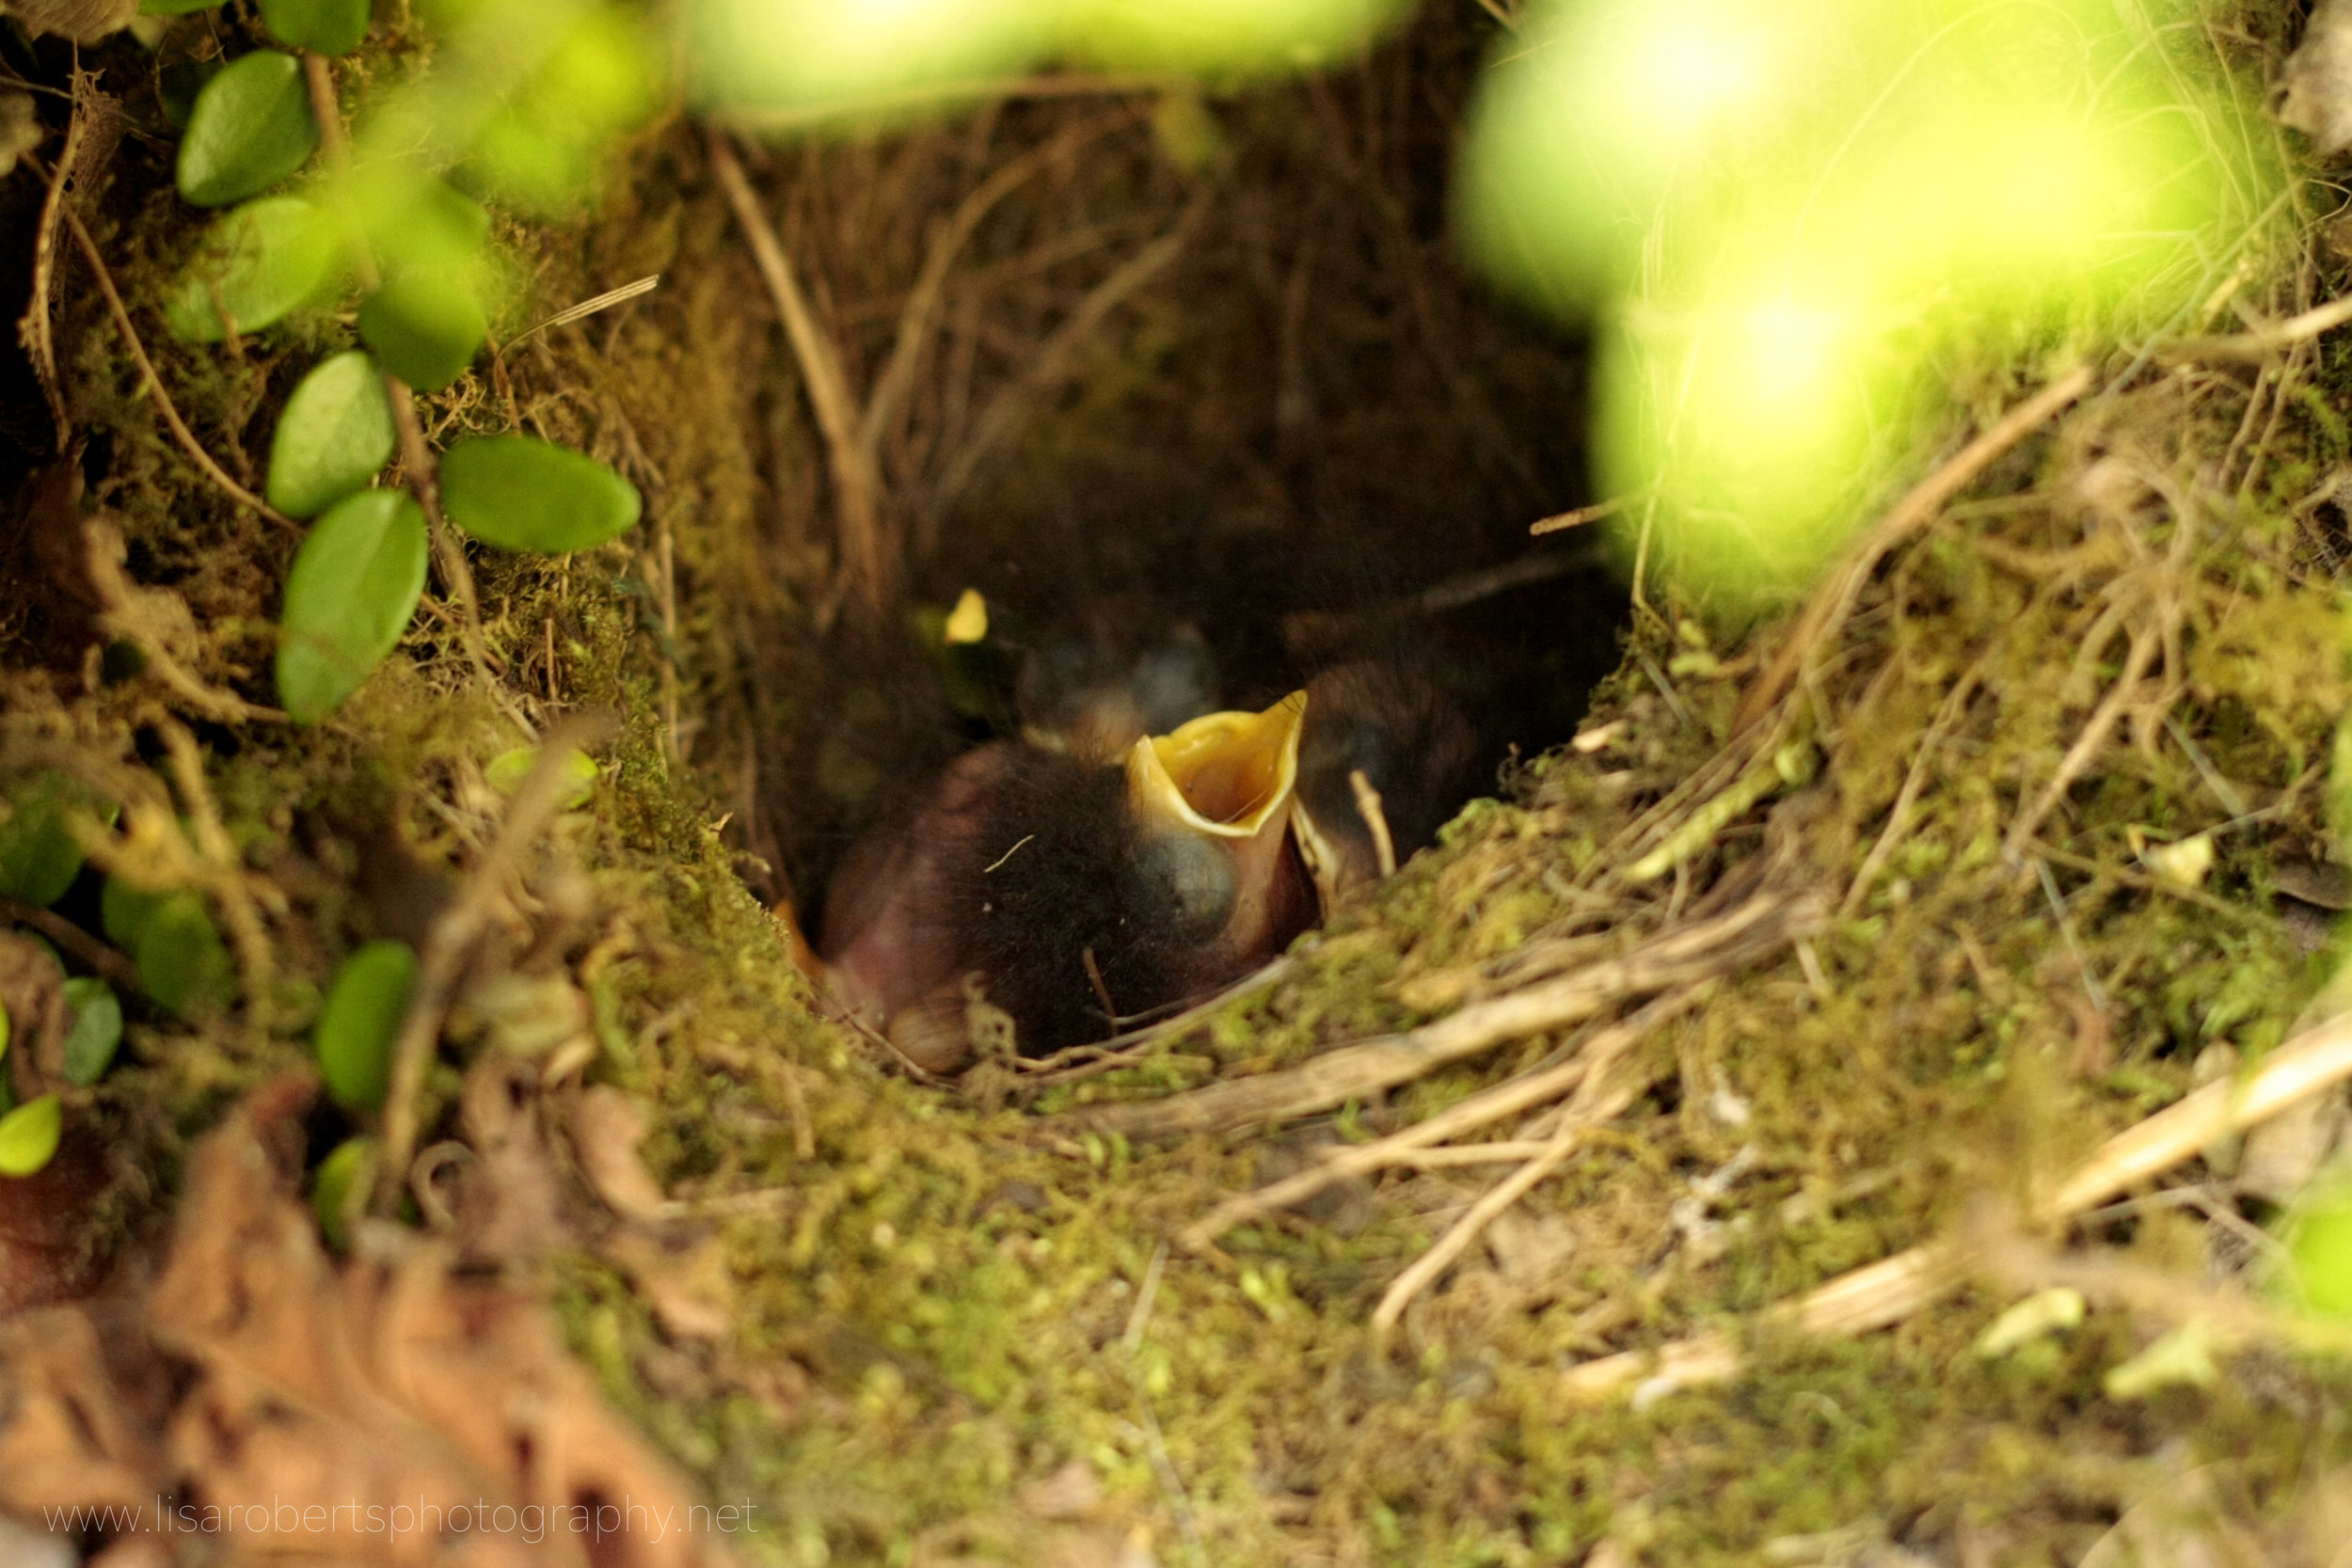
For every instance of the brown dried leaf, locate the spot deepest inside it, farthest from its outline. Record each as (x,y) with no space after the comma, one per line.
(2316,88)
(397,1409)
(607,1127)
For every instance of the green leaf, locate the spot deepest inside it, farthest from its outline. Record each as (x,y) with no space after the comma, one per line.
(355,583)
(174,8)
(96,1030)
(5,1030)
(28,1135)
(260,262)
(414,222)
(520,493)
(334,435)
(360,1020)
(123,912)
(38,855)
(342,1175)
(250,128)
(544,148)
(427,327)
(182,962)
(321,27)
(506,771)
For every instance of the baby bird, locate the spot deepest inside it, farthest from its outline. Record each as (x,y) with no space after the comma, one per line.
(1114,848)
(1080,891)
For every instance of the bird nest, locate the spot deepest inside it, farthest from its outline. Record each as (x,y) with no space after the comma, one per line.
(1634,1176)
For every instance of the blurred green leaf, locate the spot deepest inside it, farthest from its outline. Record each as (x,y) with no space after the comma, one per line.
(123,912)
(260,262)
(250,128)
(182,962)
(6,1029)
(2320,1244)
(175,7)
(354,584)
(426,328)
(38,856)
(361,1019)
(321,27)
(28,1135)
(520,493)
(335,434)
(414,222)
(343,1175)
(95,1032)
(543,148)
(506,772)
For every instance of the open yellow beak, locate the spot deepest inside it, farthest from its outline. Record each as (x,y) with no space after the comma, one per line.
(1227,775)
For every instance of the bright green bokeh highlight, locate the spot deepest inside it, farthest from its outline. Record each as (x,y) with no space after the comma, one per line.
(852,64)
(1784,215)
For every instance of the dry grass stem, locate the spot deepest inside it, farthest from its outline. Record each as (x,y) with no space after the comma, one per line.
(1834,601)
(1524,1092)
(1887,1292)
(180,430)
(867,556)
(2250,347)
(1694,952)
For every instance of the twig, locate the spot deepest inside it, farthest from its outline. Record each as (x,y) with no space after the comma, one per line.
(1375,820)
(857,483)
(1835,601)
(423,475)
(1599,1098)
(164,405)
(1001,419)
(454,935)
(228,874)
(1899,815)
(102,554)
(2078,756)
(1577,517)
(2250,346)
(107,959)
(587,307)
(32,328)
(1889,1291)
(1679,958)
(1512,1096)
(891,388)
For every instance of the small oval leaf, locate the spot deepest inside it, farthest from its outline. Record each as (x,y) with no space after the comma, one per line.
(335,435)
(426,327)
(182,962)
(323,26)
(342,1175)
(40,856)
(95,1032)
(520,493)
(250,128)
(355,583)
(28,1135)
(360,1020)
(506,771)
(260,262)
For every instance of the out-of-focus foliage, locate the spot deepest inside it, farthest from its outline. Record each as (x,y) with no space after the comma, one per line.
(259,262)
(817,62)
(1784,215)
